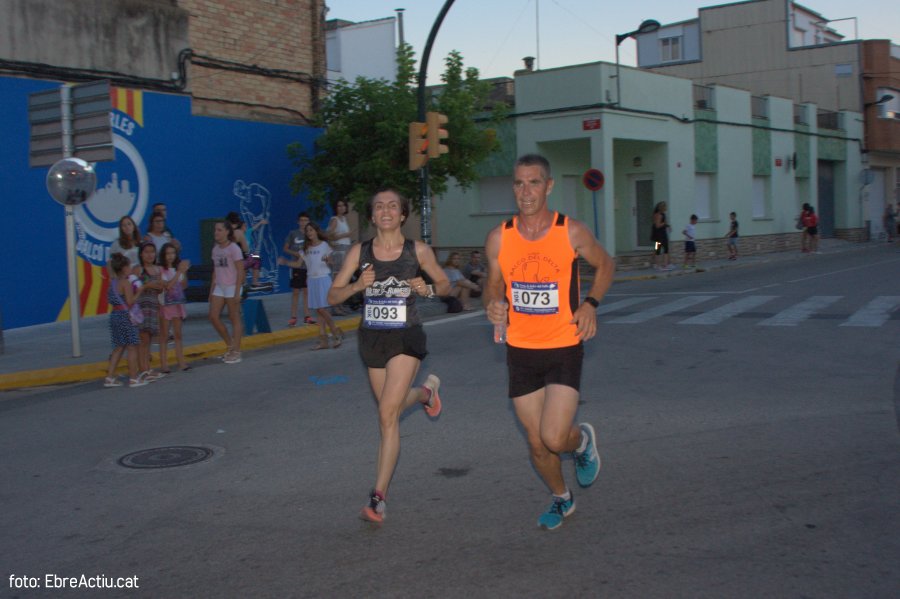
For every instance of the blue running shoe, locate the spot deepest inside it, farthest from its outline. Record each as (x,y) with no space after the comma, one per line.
(587,463)
(559,509)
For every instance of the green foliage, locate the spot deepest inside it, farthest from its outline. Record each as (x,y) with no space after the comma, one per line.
(364,143)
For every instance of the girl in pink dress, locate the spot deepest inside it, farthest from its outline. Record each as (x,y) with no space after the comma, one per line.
(172,312)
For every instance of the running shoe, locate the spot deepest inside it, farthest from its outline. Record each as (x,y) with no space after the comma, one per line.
(375,510)
(558,510)
(587,463)
(233,358)
(433,407)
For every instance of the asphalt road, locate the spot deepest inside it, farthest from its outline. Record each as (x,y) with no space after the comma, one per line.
(749,438)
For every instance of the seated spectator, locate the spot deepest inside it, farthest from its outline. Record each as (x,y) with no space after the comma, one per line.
(460,287)
(475,272)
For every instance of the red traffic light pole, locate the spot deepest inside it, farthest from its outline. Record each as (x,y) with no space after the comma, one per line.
(423,172)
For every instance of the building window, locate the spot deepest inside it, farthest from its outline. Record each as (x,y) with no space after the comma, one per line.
(670,49)
(760,197)
(703,200)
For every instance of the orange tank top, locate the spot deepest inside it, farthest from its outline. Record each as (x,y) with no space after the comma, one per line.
(541,286)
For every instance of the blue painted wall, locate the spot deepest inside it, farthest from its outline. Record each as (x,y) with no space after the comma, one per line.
(200,167)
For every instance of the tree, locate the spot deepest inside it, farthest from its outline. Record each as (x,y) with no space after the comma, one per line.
(364,143)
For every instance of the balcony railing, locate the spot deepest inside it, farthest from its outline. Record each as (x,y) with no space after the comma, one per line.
(826,119)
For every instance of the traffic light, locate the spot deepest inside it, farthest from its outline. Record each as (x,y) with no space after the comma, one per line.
(417,146)
(436,134)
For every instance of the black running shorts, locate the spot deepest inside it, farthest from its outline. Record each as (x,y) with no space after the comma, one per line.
(376,347)
(533,369)
(298,278)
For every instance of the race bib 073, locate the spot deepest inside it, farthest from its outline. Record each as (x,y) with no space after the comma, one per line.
(535,298)
(385,312)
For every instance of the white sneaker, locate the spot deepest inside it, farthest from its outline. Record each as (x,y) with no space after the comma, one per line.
(233,358)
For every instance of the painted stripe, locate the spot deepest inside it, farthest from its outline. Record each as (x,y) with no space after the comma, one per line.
(84,284)
(875,313)
(677,305)
(797,313)
(607,308)
(729,310)
(138,99)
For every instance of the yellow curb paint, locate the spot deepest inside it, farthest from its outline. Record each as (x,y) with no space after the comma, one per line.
(97,370)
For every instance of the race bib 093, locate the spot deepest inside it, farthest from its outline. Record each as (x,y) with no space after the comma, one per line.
(385,312)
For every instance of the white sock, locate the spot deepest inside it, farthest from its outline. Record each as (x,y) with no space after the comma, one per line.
(565,496)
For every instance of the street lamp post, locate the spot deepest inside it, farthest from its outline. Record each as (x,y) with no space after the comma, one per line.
(648,26)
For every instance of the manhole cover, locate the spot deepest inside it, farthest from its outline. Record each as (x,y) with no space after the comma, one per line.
(165,457)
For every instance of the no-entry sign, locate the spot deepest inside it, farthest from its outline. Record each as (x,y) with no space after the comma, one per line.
(593,179)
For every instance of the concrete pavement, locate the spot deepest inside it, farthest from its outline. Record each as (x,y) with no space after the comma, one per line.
(41,355)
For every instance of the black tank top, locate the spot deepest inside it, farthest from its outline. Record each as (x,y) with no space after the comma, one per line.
(390,303)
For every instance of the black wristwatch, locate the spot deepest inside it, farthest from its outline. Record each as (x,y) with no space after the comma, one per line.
(592,301)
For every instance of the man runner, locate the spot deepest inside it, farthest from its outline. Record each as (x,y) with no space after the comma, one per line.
(533,285)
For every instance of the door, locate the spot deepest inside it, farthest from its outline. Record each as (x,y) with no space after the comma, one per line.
(643,211)
(826,198)
(877,200)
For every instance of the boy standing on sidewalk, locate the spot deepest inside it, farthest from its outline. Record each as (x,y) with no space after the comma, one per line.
(690,247)
(732,237)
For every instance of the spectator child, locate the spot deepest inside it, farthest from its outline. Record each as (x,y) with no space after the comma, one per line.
(811,224)
(122,332)
(151,279)
(732,237)
(317,256)
(690,245)
(225,289)
(293,245)
(172,311)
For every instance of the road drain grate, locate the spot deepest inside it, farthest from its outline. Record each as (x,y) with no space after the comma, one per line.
(165,457)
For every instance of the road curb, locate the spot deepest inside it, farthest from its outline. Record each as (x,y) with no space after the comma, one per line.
(97,370)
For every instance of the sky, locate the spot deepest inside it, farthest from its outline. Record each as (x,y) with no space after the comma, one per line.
(494,35)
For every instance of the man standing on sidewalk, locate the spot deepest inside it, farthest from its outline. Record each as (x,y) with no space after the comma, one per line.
(533,269)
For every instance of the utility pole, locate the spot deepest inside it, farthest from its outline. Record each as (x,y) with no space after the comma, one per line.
(423,172)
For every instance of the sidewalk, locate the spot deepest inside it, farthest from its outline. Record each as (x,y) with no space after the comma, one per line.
(42,354)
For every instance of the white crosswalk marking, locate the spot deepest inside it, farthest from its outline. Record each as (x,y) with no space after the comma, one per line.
(725,312)
(875,313)
(607,308)
(677,305)
(797,313)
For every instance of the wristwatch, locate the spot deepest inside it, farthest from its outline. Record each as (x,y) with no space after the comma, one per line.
(590,300)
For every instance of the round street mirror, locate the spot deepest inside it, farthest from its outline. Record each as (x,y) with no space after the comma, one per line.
(71,181)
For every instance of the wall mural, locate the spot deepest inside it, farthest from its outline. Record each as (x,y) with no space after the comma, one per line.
(200,167)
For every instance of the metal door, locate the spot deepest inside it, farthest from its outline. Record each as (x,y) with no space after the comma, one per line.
(825,208)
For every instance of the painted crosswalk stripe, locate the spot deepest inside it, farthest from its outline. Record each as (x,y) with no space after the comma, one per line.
(619,305)
(797,313)
(875,313)
(729,310)
(677,305)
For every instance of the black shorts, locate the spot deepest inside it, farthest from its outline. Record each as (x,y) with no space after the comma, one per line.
(812,230)
(661,246)
(533,369)
(376,347)
(298,278)
(690,247)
